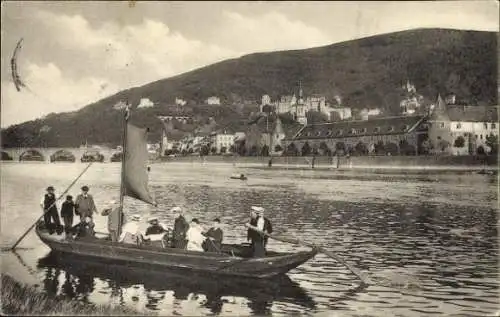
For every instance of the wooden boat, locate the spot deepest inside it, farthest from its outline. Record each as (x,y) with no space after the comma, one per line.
(233,260)
(240,177)
(280,288)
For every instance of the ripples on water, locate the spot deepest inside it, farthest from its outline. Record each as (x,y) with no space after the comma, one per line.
(433,235)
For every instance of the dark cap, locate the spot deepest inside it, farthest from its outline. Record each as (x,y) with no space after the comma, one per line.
(85,188)
(69,197)
(50,188)
(217,220)
(195,220)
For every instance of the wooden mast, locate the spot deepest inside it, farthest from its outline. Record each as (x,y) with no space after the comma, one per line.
(124,157)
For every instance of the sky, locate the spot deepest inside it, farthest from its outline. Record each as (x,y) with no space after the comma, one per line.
(75,53)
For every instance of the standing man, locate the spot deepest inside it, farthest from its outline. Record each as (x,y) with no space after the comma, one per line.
(49,208)
(259,241)
(181,227)
(84,204)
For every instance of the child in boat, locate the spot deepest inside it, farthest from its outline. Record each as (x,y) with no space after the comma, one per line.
(194,236)
(67,212)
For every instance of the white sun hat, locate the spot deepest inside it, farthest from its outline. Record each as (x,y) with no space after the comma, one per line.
(257,209)
(176,209)
(136,217)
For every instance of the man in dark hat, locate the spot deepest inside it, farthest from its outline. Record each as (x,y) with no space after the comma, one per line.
(49,207)
(84,204)
(67,212)
(214,235)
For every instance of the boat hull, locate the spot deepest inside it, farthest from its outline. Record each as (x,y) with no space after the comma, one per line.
(155,258)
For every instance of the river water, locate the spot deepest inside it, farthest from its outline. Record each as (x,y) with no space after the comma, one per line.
(428,239)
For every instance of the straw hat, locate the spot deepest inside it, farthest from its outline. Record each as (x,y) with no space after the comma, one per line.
(153,220)
(257,209)
(176,209)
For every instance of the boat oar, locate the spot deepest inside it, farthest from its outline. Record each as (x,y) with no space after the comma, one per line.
(46,210)
(355,271)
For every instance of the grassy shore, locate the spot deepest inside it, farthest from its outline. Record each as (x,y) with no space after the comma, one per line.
(18,299)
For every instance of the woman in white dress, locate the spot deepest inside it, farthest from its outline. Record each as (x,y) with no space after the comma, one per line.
(194,236)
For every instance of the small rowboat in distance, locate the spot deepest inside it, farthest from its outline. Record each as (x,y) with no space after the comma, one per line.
(234,260)
(240,177)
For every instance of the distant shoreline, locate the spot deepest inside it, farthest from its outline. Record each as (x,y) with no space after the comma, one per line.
(469,163)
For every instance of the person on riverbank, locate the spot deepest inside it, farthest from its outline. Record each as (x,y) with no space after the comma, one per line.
(213,242)
(181,226)
(113,213)
(85,206)
(67,213)
(50,214)
(259,241)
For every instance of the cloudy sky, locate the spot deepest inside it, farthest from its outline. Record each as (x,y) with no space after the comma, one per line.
(79,52)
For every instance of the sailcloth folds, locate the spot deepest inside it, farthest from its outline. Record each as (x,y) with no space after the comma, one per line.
(135,178)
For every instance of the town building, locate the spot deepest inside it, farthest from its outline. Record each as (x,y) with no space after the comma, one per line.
(461,129)
(180,101)
(390,135)
(339,113)
(213,100)
(222,141)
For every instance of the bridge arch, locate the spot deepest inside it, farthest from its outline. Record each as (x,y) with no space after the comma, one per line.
(63,155)
(6,156)
(31,155)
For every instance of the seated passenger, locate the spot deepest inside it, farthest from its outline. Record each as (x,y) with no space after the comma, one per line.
(194,236)
(84,229)
(130,232)
(155,227)
(213,242)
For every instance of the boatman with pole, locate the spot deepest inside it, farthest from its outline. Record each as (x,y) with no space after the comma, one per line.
(259,241)
(49,208)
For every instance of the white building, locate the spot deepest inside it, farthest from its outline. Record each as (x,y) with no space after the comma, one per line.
(180,101)
(343,113)
(366,113)
(461,130)
(222,140)
(213,100)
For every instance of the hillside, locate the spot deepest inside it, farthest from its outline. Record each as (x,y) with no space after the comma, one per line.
(366,72)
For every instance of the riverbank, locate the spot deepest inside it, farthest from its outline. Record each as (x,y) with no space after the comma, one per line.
(467,163)
(23,300)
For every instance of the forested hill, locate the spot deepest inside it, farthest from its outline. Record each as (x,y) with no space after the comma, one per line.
(366,72)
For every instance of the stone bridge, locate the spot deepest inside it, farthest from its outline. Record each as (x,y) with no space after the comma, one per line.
(15,153)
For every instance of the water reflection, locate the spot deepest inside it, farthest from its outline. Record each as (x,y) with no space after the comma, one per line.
(80,277)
